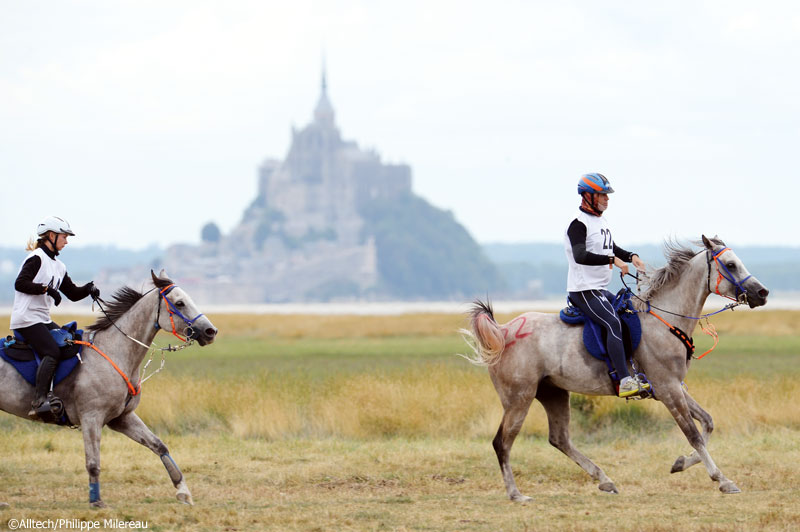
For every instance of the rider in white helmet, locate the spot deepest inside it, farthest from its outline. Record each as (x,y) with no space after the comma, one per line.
(40,279)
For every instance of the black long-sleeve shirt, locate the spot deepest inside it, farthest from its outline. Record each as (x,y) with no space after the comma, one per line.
(30,268)
(577,239)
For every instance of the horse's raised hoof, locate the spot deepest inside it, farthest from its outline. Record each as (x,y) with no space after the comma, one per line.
(729,487)
(185,498)
(97,504)
(679,465)
(521,498)
(608,487)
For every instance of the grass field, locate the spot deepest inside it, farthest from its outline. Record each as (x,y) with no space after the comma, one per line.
(373,423)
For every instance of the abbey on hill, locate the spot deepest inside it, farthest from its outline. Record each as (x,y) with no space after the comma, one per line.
(332,221)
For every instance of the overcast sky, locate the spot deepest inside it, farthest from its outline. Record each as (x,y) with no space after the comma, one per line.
(140,121)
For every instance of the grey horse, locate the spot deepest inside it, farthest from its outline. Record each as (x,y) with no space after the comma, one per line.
(537,356)
(97,394)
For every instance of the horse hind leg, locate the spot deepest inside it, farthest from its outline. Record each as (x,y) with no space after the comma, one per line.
(133,427)
(556,405)
(513,418)
(706,421)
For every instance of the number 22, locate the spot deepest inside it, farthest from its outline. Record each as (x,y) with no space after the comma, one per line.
(608,242)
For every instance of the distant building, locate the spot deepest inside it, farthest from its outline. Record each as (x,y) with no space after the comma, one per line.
(302,238)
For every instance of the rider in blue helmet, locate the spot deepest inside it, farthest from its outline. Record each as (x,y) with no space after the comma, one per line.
(592,255)
(40,279)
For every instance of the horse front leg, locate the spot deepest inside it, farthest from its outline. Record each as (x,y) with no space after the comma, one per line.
(556,405)
(674,399)
(92,429)
(685,462)
(133,427)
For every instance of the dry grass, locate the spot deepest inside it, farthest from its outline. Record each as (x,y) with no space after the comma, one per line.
(401,442)
(398,484)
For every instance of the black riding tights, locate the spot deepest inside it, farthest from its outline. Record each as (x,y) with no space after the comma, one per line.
(596,304)
(38,336)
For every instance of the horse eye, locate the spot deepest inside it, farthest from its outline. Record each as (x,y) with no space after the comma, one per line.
(179,304)
(731,266)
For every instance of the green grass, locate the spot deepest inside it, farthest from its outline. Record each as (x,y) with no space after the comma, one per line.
(314,357)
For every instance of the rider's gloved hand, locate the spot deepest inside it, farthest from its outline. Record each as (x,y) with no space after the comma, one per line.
(93,290)
(52,292)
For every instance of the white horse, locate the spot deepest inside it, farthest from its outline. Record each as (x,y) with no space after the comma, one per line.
(538,356)
(99,391)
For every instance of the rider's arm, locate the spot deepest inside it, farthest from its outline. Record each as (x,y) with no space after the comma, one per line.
(577,239)
(24,282)
(74,293)
(625,256)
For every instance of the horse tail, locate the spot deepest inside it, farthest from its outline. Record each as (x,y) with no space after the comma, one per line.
(486,338)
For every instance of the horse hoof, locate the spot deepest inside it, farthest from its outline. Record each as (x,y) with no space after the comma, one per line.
(679,465)
(97,504)
(521,498)
(3,505)
(729,487)
(608,487)
(186,498)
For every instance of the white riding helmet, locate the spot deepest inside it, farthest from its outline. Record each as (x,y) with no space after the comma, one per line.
(54,224)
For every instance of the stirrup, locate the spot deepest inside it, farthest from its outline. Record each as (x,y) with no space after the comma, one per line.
(49,411)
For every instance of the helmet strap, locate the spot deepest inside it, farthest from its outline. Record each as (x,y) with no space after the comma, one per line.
(589,204)
(52,240)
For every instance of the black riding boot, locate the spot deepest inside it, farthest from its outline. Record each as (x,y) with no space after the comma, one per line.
(44,401)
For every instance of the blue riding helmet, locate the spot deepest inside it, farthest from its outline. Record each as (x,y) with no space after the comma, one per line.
(594,184)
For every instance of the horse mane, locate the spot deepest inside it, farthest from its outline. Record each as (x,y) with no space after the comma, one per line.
(678,257)
(121,302)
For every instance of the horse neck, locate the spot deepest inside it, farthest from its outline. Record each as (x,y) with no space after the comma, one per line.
(686,296)
(136,323)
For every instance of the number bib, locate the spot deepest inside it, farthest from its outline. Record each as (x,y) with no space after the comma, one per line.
(599,241)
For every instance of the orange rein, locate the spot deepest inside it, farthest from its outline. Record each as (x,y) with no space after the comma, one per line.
(131,389)
(710,330)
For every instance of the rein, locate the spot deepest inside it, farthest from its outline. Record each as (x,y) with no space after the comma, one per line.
(187,341)
(708,328)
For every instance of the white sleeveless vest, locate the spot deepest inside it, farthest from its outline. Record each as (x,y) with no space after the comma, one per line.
(29,309)
(598,240)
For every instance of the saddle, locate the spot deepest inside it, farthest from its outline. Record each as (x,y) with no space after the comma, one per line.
(26,361)
(594,336)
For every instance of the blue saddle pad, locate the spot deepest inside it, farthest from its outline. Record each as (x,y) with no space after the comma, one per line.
(28,368)
(593,333)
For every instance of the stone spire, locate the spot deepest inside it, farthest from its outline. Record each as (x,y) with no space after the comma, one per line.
(323,114)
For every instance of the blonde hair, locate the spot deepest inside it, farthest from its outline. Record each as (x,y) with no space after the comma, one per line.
(34,244)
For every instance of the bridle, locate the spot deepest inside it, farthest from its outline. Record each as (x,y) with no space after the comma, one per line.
(724,273)
(189,333)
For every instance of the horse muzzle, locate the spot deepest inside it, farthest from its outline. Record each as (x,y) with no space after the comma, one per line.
(202,334)
(756,295)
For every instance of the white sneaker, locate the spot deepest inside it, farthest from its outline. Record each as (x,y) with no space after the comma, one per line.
(632,386)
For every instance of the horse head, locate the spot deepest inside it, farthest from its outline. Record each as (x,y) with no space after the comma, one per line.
(732,278)
(179,314)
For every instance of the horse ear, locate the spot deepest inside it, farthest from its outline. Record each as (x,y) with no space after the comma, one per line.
(163,274)
(707,243)
(153,275)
